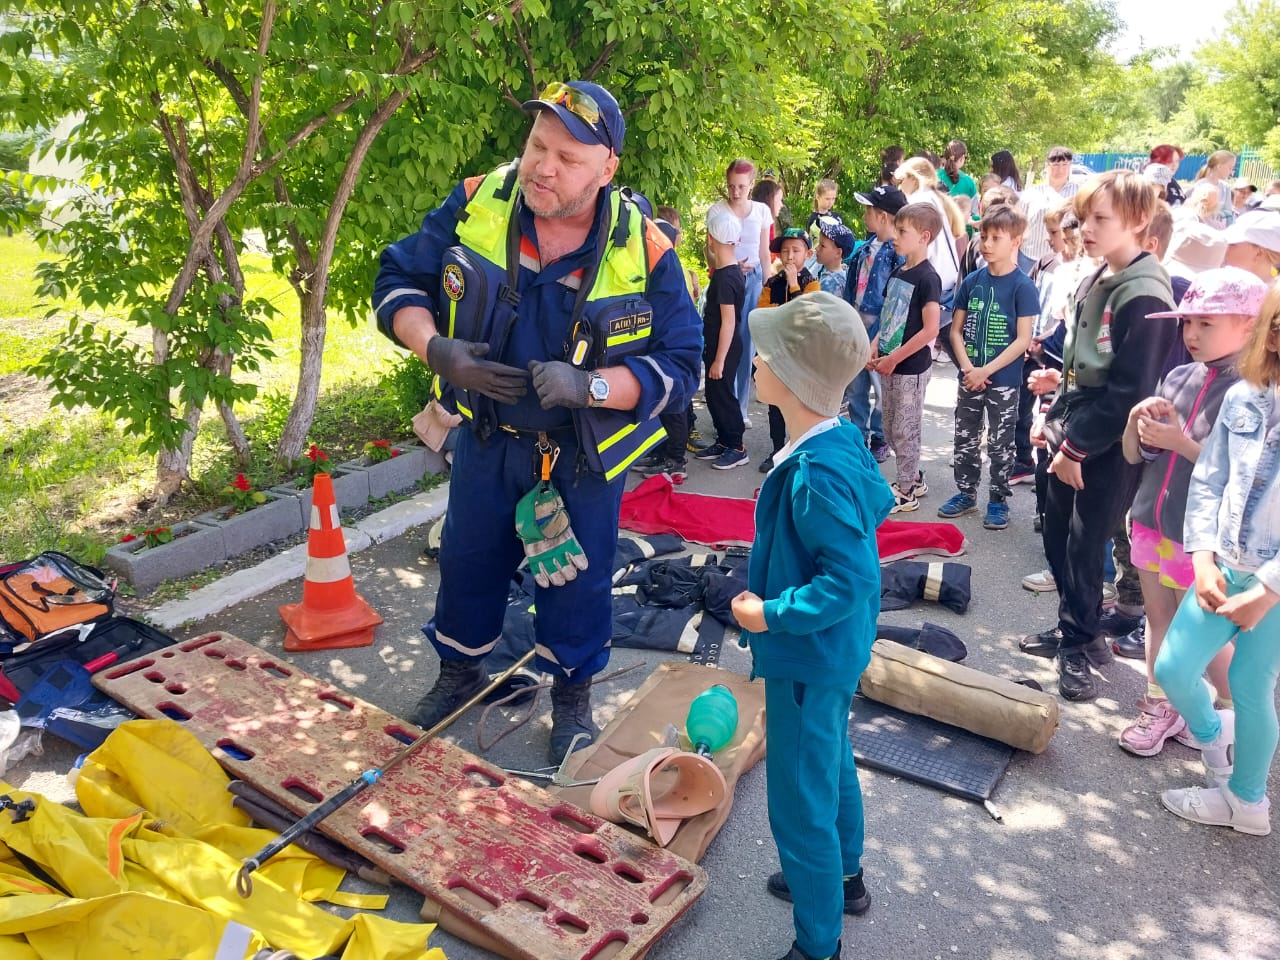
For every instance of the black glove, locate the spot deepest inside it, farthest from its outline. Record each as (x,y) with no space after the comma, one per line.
(458,362)
(560,384)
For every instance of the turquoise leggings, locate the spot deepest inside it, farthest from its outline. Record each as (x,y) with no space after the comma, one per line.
(815,804)
(1194,638)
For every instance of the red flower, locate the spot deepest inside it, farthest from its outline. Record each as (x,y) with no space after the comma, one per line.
(241,482)
(384,444)
(395,453)
(128,538)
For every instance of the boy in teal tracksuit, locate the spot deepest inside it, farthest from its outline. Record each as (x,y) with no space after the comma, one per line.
(809,612)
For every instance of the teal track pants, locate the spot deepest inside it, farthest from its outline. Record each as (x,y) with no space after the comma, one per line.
(1194,638)
(815,804)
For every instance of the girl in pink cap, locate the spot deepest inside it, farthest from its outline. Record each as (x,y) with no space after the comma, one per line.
(1166,431)
(1232,533)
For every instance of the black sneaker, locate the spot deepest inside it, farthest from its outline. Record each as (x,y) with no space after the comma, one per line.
(1075,679)
(1132,646)
(880,451)
(459,681)
(675,469)
(570,716)
(1042,644)
(645,462)
(710,453)
(1117,624)
(856,899)
(767,463)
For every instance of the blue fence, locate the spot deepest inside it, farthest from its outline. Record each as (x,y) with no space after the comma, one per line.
(1248,164)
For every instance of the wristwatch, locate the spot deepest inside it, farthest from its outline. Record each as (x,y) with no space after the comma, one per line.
(597,390)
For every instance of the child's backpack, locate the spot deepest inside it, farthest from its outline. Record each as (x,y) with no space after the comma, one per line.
(52,592)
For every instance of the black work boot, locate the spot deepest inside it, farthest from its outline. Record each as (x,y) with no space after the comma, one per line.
(1042,644)
(795,953)
(1075,681)
(459,681)
(570,716)
(856,899)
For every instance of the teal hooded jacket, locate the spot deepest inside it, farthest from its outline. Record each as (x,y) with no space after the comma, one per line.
(815,562)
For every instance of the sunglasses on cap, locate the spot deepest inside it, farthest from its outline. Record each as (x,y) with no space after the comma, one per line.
(581,105)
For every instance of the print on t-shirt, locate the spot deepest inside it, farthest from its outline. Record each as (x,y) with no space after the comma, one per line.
(894,314)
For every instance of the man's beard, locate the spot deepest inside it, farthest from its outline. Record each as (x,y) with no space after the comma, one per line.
(568,208)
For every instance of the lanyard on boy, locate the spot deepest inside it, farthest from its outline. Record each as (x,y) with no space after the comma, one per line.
(542,523)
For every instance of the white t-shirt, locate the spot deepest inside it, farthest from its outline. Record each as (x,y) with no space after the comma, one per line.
(1036,202)
(757,220)
(942,248)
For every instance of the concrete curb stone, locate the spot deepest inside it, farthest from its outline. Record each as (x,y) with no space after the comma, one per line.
(292,563)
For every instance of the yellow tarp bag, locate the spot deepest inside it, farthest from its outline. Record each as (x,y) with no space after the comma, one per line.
(130,884)
(160,767)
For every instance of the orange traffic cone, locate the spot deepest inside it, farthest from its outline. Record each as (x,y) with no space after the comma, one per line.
(331,613)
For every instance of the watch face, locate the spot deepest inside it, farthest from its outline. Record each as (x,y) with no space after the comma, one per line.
(599,388)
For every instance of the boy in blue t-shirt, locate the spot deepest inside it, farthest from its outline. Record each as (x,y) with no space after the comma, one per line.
(996,309)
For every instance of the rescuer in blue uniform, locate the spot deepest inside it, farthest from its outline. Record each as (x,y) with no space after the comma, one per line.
(555,317)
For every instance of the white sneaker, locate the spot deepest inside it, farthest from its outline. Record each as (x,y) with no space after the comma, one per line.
(1219,807)
(746,423)
(1041,582)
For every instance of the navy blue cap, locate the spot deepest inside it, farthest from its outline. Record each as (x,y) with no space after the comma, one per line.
(609,130)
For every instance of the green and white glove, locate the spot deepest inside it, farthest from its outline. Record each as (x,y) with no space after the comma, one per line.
(542,522)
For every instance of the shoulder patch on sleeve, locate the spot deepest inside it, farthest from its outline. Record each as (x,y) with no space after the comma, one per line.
(471,185)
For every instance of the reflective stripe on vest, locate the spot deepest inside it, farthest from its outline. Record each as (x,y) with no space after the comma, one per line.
(622,274)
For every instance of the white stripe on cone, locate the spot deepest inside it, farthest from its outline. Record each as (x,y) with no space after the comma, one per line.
(328,569)
(333,517)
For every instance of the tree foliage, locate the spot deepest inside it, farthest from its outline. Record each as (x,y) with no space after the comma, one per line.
(332,128)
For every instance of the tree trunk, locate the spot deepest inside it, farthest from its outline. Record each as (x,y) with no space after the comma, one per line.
(171,465)
(314,321)
(310,365)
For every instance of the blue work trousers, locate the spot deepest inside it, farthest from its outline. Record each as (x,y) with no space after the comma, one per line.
(815,804)
(479,554)
(1195,636)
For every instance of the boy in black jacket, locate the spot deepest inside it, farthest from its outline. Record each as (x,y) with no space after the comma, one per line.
(1112,358)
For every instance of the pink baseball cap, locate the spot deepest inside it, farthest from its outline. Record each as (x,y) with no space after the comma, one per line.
(1221,292)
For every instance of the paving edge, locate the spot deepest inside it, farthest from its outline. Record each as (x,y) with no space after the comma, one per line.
(291,564)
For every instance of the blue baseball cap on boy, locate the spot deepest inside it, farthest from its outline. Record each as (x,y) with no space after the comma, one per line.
(837,233)
(588,110)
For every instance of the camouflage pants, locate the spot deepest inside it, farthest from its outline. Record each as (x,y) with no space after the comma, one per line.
(999,406)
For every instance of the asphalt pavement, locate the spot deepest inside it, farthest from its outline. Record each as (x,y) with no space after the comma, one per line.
(1084,865)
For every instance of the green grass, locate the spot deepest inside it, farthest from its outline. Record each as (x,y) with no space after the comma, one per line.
(76,481)
(24,332)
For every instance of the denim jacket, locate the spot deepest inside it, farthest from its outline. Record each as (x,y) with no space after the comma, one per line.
(885,262)
(1233,504)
